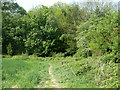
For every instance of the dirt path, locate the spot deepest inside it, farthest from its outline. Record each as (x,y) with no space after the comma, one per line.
(53,80)
(50,83)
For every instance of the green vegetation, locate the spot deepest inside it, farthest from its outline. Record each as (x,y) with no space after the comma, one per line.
(31,71)
(41,32)
(90,73)
(22,73)
(64,45)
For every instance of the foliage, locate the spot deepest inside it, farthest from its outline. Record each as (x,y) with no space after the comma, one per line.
(40,31)
(98,36)
(58,55)
(81,42)
(86,72)
(9,49)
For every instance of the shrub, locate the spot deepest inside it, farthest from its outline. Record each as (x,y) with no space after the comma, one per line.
(20,57)
(58,55)
(9,49)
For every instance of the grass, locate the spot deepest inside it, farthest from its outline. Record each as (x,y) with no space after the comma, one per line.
(66,74)
(73,72)
(24,74)
(24,71)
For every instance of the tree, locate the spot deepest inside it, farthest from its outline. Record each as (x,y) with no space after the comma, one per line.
(11,32)
(99,35)
(9,7)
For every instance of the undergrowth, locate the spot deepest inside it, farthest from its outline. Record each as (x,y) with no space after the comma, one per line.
(86,72)
(70,72)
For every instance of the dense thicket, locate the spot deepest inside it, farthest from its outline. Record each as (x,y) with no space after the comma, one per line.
(91,30)
(99,36)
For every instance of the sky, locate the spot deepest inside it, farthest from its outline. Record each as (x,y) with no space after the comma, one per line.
(28,4)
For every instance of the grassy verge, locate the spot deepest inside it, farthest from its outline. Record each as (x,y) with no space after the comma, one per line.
(66,71)
(24,73)
(90,72)
(69,72)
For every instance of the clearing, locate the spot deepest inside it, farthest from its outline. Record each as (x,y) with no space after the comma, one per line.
(52,72)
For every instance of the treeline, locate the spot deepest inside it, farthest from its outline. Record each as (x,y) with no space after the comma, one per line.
(87,29)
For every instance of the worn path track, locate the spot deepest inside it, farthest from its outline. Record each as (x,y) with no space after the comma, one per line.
(52,83)
(53,80)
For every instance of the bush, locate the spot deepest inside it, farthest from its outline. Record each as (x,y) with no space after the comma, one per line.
(6,56)
(33,57)
(9,49)
(58,55)
(20,57)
